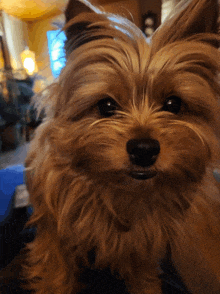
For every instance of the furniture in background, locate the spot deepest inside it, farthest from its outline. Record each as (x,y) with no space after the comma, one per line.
(17,117)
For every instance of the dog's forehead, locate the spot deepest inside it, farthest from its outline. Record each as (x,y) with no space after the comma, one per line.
(110,65)
(127,71)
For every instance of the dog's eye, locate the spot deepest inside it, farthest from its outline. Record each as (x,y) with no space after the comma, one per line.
(107,107)
(173,104)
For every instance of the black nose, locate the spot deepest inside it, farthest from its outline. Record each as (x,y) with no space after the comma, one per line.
(143,152)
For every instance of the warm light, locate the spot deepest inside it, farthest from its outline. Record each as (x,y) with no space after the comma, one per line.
(29,65)
(28,60)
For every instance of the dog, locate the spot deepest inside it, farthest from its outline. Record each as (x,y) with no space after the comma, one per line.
(122,165)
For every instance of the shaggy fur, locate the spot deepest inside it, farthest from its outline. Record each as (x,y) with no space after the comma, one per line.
(87,191)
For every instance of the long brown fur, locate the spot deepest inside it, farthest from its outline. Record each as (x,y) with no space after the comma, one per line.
(78,167)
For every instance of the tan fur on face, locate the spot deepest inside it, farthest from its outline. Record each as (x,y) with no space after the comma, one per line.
(78,167)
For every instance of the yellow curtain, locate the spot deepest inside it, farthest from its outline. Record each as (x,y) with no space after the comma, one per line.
(15,32)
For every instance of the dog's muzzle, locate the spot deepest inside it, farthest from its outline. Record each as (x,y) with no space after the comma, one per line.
(143,154)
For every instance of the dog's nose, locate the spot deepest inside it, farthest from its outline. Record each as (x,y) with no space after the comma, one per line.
(143,152)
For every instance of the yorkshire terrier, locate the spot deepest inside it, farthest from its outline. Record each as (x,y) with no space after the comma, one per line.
(123,163)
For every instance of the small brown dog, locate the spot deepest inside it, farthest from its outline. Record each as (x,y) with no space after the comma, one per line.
(123,163)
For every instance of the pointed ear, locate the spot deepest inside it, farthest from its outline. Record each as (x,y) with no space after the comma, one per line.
(80,14)
(190,17)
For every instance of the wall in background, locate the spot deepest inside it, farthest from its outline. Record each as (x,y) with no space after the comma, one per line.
(1,61)
(1,56)
(16,32)
(38,43)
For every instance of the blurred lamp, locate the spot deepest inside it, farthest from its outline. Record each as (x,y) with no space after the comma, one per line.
(149,23)
(28,61)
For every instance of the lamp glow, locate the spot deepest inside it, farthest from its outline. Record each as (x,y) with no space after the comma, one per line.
(29,63)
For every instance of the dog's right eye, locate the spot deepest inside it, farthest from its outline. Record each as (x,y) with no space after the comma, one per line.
(107,107)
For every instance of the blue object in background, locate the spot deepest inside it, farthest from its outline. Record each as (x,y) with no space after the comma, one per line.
(56,40)
(10,178)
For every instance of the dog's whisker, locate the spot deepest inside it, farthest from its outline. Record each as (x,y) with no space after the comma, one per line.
(192,128)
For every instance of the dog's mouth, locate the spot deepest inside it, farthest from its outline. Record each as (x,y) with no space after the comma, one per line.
(143,174)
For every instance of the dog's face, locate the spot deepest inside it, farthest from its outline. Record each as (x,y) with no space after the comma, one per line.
(133,118)
(133,121)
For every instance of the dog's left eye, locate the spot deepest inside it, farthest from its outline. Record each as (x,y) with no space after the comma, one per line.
(172,104)
(107,107)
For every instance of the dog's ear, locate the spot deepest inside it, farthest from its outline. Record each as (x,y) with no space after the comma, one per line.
(189,18)
(80,15)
